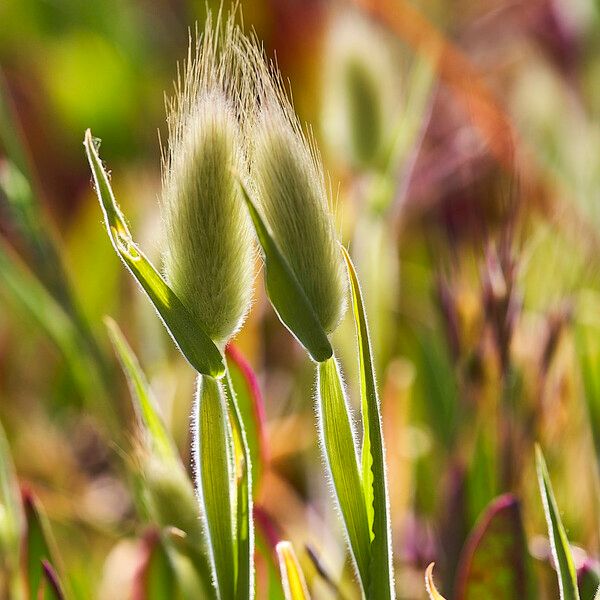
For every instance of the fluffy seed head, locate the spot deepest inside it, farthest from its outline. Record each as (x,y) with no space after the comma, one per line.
(360,89)
(291,193)
(209,257)
(170,497)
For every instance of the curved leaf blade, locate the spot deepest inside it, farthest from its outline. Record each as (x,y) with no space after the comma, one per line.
(292,577)
(251,405)
(430,585)
(337,440)
(373,451)
(186,332)
(286,294)
(561,551)
(495,561)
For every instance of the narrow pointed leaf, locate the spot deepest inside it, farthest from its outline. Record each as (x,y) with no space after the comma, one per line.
(588,580)
(287,296)
(244,521)
(11,514)
(292,577)
(375,490)
(37,545)
(337,439)
(145,404)
(252,410)
(155,578)
(495,560)
(561,551)
(213,458)
(430,585)
(167,492)
(186,332)
(51,588)
(268,579)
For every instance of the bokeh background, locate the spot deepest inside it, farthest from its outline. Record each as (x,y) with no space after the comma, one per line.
(475,231)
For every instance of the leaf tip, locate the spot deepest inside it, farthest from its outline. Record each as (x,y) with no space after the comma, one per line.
(430,585)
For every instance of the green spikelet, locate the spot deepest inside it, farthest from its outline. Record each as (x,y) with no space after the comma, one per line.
(291,194)
(209,256)
(170,497)
(361,86)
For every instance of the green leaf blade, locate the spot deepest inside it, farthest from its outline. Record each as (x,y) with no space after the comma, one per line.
(337,439)
(244,520)
(50,586)
(588,580)
(292,577)
(561,551)
(495,560)
(213,458)
(186,332)
(381,571)
(144,402)
(286,294)
(37,545)
(155,578)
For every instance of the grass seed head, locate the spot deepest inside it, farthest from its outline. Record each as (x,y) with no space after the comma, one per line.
(209,255)
(360,86)
(170,497)
(290,189)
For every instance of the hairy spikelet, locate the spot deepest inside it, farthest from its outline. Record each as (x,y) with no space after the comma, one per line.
(360,84)
(209,257)
(170,497)
(290,188)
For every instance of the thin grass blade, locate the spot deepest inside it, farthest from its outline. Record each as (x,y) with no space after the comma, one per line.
(187,334)
(37,546)
(155,578)
(373,452)
(145,405)
(268,580)
(588,580)
(561,551)
(287,296)
(165,490)
(50,588)
(495,560)
(430,585)
(214,463)
(244,521)
(11,513)
(292,577)
(252,410)
(337,439)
